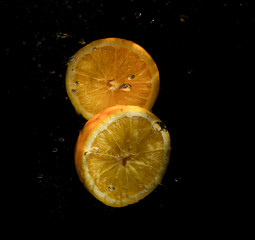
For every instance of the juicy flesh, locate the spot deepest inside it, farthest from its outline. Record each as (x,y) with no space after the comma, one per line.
(126,157)
(111,76)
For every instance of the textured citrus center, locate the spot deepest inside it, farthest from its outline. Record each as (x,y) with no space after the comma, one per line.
(126,157)
(118,74)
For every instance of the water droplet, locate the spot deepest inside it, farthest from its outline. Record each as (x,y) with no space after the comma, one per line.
(125,87)
(130,76)
(111,188)
(159,126)
(74,90)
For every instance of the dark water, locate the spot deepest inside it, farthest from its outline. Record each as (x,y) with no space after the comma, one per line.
(195,45)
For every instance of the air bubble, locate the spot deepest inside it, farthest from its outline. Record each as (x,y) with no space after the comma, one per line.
(130,76)
(77,83)
(95,150)
(138,15)
(183,18)
(94,48)
(62,35)
(70,59)
(40,177)
(74,90)
(61,139)
(54,150)
(159,126)
(152,21)
(87,154)
(178,179)
(111,188)
(82,41)
(125,87)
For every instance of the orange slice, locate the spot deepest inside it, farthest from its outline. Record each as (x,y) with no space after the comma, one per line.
(108,72)
(122,154)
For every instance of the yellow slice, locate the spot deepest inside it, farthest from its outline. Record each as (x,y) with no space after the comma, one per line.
(122,154)
(108,72)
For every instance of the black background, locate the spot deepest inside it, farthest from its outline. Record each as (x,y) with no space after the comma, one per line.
(198,46)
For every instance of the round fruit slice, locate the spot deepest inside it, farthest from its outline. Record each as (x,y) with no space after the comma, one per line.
(122,154)
(108,72)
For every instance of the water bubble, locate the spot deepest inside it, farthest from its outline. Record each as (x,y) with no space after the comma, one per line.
(111,188)
(159,126)
(130,76)
(125,87)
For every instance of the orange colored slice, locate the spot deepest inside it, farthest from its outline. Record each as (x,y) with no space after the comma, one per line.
(122,154)
(108,72)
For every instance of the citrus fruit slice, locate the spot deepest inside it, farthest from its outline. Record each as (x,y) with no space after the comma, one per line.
(108,72)
(122,154)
